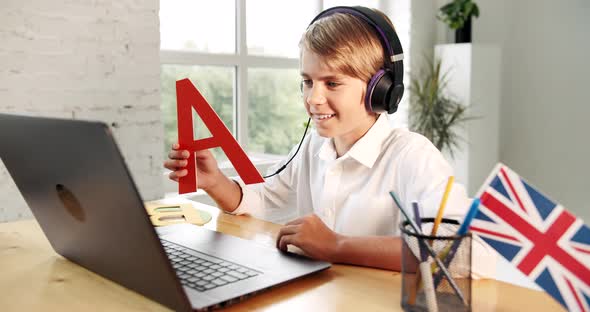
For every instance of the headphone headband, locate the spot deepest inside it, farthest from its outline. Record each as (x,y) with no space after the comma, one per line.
(389,40)
(388,82)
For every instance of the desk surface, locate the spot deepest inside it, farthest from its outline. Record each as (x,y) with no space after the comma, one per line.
(34,278)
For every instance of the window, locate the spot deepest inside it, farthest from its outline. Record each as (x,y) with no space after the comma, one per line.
(243,57)
(276,115)
(189,25)
(272,34)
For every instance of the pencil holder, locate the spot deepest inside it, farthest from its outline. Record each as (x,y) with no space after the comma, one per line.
(425,285)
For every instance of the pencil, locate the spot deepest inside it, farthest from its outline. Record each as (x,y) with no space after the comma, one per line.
(440,212)
(441,208)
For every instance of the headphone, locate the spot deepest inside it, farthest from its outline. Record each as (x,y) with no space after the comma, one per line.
(386,87)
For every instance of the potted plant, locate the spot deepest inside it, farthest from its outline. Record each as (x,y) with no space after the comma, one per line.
(457,15)
(433,112)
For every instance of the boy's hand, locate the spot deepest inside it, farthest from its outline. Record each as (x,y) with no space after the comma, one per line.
(207,169)
(177,160)
(312,236)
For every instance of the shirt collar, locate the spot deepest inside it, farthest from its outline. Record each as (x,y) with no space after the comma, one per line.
(366,149)
(327,151)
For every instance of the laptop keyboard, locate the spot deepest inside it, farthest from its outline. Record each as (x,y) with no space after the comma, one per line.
(202,273)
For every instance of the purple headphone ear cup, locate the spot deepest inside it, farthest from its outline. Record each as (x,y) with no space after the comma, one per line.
(370,88)
(384,94)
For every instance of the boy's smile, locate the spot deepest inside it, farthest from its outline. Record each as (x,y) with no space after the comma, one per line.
(322,117)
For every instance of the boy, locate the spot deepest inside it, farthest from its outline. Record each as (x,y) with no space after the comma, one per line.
(339,182)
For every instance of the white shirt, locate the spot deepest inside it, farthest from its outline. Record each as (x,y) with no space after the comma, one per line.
(351,193)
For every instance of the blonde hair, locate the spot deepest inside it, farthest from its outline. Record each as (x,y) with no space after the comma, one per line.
(347,44)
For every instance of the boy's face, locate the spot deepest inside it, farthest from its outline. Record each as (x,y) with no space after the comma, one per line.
(334,101)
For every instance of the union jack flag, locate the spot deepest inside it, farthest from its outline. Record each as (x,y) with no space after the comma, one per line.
(542,239)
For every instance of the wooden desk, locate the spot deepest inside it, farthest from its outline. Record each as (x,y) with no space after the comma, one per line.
(34,278)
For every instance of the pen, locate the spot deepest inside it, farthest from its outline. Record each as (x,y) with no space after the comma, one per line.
(418,220)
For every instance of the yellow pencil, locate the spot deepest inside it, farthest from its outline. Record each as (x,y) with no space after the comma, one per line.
(441,208)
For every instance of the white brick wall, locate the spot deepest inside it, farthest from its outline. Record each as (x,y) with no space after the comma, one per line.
(85,59)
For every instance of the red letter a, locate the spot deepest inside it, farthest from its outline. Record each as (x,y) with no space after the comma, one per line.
(187,96)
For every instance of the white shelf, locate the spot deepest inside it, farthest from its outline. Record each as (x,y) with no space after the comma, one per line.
(474,79)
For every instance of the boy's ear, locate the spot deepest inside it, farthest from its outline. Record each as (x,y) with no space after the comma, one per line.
(363,95)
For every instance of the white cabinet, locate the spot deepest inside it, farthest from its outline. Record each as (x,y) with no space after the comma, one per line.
(473,74)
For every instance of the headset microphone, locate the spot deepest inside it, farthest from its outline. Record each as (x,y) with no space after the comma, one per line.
(298,147)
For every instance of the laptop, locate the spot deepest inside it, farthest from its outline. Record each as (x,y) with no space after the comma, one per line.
(75,181)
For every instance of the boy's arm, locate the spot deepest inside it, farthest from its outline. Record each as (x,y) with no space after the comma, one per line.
(226,193)
(382,252)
